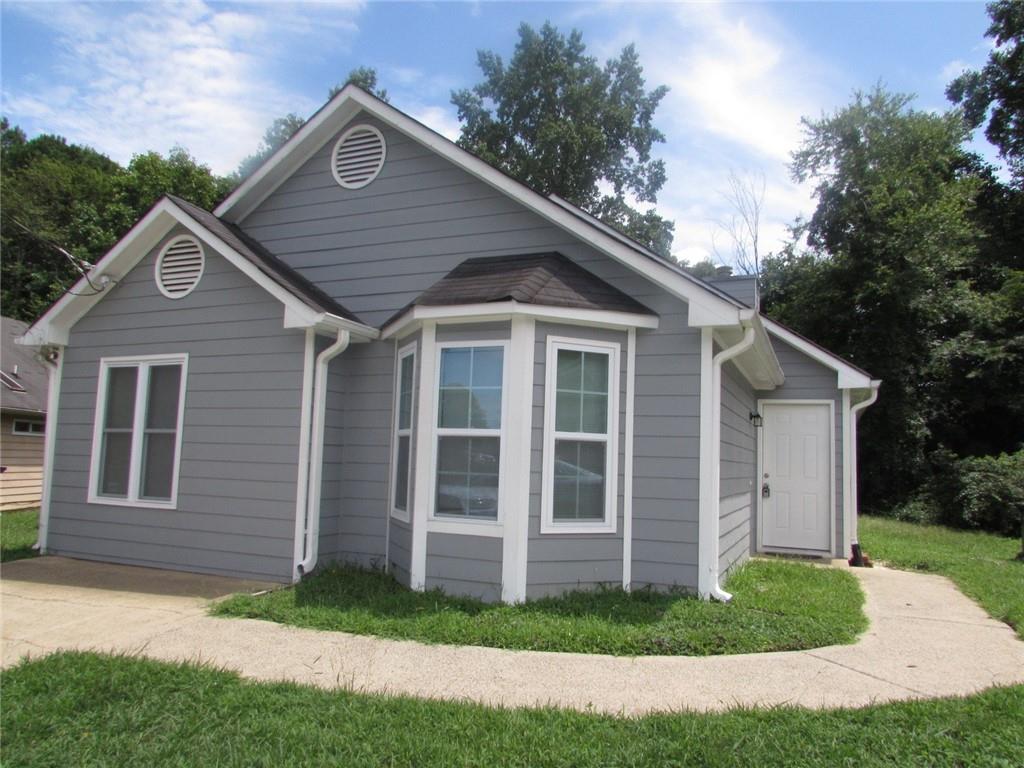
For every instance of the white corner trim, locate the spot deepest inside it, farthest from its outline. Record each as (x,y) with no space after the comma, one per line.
(847,376)
(305,427)
(409,350)
(847,476)
(143,364)
(424,438)
(505,310)
(548,525)
(627,470)
(855,411)
(55,371)
(515,483)
(706,307)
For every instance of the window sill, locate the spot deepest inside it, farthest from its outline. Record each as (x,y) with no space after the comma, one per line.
(400,516)
(548,527)
(137,503)
(492,528)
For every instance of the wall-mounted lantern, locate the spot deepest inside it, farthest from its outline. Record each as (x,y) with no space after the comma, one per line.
(756,419)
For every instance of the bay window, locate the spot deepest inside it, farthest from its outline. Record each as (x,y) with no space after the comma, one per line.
(404,415)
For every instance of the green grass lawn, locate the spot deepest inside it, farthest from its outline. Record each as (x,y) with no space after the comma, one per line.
(87,709)
(981,564)
(777,605)
(18,534)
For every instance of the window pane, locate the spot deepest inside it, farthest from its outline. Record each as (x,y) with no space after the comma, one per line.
(455,367)
(157,465)
(595,414)
(467,477)
(121,397)
(485,410)
(454,412)
(402,474)
(405,392)
(579,483)
(115,460)
(484,453)
(487,363)
(453,454)
(567,412)
(162,406)
(570,369)
(595,372)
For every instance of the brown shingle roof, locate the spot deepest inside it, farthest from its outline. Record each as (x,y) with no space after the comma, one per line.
(548,279)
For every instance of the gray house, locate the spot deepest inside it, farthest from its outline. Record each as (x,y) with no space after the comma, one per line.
(381,350)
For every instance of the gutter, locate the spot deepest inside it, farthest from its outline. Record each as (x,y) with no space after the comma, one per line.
(313,467)
(711,477)
(857,558)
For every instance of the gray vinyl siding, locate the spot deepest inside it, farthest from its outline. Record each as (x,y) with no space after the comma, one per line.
(807,379)
(558,562)
(465,565)
(400,551)
(331,499)
(375,249)
(236,499)
(738,468)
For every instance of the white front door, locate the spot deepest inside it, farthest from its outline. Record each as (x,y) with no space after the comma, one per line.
(796,498)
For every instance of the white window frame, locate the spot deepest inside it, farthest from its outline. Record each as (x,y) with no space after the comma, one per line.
(28,432)
(143,363)
(468,526)
(404,515)
(548,525)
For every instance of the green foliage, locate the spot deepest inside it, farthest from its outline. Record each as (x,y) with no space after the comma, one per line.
(777,606)
(87,709)
(18,534)
(557,121)
(65,205)
(982,565)
(365,78)
(997,91)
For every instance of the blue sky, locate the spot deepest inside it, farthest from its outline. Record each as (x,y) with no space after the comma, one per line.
(130,77)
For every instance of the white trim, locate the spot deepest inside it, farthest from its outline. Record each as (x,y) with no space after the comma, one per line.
(424,456)
(504,310)
(158,266)
(548,525)
(761,405)
(847,376)
(55,372)
(409,350)
(55,325)
(143,364)
(847,477)
(706,469)
(451,524)
(342,140)
(706,307)
(305,426)
(27,433)
(627,470)
(855,412)
(514,487)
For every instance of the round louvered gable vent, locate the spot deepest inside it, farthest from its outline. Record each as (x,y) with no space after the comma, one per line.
(179,267)
(358,156)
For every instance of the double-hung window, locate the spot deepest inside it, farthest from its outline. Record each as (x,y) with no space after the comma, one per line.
(404,413)
(137,433)
(580,430)
(469,421)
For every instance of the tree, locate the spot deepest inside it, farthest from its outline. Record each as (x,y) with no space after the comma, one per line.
(997,91)
(745,196)
(557,121)
(886,276)
(283,128)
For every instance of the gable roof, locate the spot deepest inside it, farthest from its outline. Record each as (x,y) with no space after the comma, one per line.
(549,279)
(305,306)
(707,305)
(25,390)
(848,375)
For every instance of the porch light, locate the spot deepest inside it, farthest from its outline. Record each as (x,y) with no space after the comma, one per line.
(756,419)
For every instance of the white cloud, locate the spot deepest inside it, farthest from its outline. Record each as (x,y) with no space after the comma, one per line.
(441,119)
(152,76)
(952,70)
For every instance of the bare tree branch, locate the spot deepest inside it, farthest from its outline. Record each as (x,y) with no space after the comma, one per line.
(745,195)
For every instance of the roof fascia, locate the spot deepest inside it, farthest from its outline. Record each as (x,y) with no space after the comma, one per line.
(706,307)
(55,325)
(504,310)
(847,376)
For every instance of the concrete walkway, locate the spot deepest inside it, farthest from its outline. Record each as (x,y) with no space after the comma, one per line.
(925,640)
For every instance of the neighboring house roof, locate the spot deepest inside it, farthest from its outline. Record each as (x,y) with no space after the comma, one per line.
(265,261)
(305,306)
(549,279)
(23,385)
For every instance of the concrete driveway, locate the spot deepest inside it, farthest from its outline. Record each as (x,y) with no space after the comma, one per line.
(925,640)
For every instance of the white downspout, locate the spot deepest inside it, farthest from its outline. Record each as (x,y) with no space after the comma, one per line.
(854,504)
(710,520)
(316,452)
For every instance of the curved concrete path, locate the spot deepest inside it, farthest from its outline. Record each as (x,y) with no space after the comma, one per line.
(925,640)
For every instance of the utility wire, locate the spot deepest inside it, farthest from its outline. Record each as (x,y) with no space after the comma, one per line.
(81,265)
